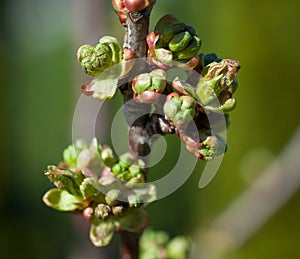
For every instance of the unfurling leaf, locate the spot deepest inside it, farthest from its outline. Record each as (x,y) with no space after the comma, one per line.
(102,232)
(133,220)
(62,200)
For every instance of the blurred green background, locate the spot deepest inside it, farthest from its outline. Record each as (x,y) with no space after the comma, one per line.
(40,85)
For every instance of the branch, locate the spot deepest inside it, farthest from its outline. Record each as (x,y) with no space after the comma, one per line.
(135,114)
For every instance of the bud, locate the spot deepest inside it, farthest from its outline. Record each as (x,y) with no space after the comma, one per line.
(204,146)
(118,210)
(180,109)
(147,87)
(71,152)
(138,5)
(215,89)
(173,41)
(95,60)
(87,213)
(102,212)
(108,156)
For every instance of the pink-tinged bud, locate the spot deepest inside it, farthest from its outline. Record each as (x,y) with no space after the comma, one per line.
(148,87)
(87,213)
(138,5)
(120,10)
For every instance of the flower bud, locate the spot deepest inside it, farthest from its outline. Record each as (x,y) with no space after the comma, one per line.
(215,89)
(138,5)
(87,213)
(118,210)
(108,157)
(205,146)
(102,212)
(147,87)
(180,109)
(95,60)
(172,42)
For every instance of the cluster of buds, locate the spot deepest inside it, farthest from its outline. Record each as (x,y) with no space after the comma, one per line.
(180,109)
(148,87)
(121,7)
(204,144)
(95,60)
(173,43)
(129,169)
(215,88)
(85,183)
(157,244)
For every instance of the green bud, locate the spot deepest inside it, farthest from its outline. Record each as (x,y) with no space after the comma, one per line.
(180,41)
(117,169)
(125,160)
(181,110)
(190,51)
(218,85)
(173,40)
(147,87)
(212,146)
(70,156)
(168,31)
(95,60)
(142,82)
(114,45)
(108,157)
(125,175)
(71,152)
(102,212)
(134,170)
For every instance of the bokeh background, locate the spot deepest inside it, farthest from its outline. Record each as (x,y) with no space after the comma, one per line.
(40,85)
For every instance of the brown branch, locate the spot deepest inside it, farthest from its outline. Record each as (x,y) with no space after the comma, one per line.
(136,114)
(142,125)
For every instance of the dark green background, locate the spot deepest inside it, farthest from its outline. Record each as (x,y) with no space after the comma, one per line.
(40,83)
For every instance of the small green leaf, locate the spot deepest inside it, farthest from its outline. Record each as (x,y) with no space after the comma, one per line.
(62,200)
(89,187)
(104,89)
(102,233)
(65,180)
(133,220)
